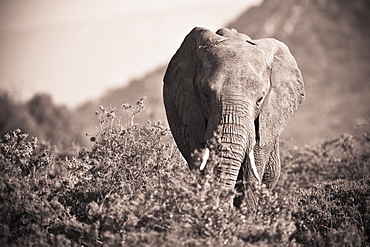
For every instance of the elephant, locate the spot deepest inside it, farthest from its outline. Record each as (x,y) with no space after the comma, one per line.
(246,88)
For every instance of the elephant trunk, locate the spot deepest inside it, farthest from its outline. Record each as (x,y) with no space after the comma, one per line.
(237,141)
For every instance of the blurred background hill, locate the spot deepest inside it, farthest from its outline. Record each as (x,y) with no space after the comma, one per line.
(55,125)
(329,40)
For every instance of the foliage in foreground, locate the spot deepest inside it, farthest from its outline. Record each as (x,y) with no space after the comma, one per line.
(133,189)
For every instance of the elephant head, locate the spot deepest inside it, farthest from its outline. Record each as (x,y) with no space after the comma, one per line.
(248,87)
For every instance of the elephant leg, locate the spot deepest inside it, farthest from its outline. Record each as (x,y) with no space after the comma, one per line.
(244,192)
(270,178)
(272,169)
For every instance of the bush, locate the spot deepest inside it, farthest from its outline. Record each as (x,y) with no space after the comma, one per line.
(329,184)
(334,213)
(346,157)
(29,191)
(134,189)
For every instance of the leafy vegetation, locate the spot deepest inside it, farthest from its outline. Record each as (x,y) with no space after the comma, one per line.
(134,189)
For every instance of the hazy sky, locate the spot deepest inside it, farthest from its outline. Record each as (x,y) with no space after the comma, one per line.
(77,49)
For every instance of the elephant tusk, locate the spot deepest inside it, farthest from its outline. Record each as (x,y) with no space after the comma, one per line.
(205,158)
(253,165)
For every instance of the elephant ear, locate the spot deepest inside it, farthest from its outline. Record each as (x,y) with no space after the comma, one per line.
(286,91)
(180,94)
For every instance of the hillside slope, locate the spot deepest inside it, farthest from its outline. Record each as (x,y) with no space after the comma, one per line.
(329,39)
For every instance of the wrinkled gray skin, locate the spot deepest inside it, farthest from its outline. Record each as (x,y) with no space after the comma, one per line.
(249,87)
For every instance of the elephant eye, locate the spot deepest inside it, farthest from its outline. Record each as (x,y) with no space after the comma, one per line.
(259,101)
(206,97)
